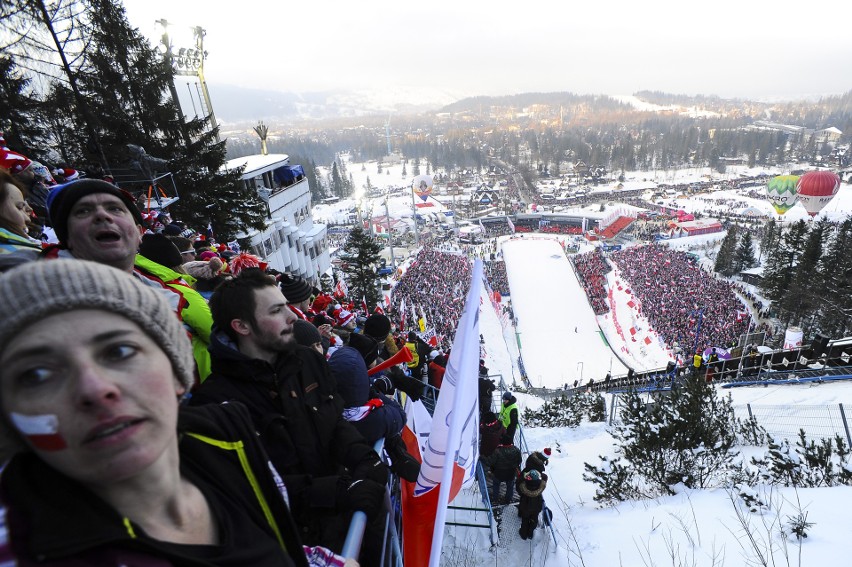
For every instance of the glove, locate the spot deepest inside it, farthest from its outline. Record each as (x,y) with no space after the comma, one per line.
(366,496)
(402,462)
(411,386)
(373,469)
(383,385)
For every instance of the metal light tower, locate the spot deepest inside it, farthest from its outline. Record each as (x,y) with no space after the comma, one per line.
(189,62)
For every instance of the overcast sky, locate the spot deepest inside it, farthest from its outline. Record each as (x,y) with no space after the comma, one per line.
(732,48)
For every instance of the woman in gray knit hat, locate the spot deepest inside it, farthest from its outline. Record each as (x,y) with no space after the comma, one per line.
(106,467)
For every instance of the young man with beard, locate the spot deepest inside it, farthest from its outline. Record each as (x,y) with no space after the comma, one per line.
(328,467)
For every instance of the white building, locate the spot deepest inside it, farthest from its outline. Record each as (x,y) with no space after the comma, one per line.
(291,242)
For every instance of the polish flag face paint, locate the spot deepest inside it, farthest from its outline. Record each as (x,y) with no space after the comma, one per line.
(41,430)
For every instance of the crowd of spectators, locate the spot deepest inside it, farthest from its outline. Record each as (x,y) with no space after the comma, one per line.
(435,286)
(551,229)
(591,268)
(677,296)
(495,273)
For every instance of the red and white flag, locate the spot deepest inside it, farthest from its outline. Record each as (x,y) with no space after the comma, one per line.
(340,290)
(451,447)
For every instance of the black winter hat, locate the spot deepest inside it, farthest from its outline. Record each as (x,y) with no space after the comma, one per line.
(305,333)
(368,347)
(172,229)
(377,326)
(158,248)
(295,289)
(62,198)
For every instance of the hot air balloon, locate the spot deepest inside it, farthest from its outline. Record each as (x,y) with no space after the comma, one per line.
(816,189)
(781,191)
(422,186)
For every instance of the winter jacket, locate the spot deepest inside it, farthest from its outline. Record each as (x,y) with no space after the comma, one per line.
(374,417)
(489,437)
(16,249)
(531,500)
(298,414)
(505,462)
(509,416)
(190,306)
(415,357)
(535,461)
(436,374)
(52,520)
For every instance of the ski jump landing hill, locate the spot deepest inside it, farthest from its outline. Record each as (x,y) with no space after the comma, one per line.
(559,336)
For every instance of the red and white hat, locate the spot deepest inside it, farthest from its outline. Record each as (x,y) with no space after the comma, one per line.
(342,317)
(13,162)
(66,173)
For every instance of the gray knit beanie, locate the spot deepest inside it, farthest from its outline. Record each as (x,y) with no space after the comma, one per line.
(48,287)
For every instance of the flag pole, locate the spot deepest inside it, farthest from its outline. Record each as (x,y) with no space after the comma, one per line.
(466,360)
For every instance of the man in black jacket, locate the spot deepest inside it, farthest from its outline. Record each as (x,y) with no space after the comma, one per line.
(328,467)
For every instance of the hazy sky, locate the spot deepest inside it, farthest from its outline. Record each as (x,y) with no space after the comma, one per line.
(746,48)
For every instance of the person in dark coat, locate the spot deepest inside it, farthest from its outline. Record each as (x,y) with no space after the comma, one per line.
(486,391)
(537,460)
(530,488)
(327,466)
(505,463)
(373,416)
(490,433)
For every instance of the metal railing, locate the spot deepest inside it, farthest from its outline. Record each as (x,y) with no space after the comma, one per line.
(784,422)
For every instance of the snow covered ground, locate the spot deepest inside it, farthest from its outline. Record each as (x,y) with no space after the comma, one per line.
(695,528)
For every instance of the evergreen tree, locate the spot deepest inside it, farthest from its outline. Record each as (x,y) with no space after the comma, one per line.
(725,258)
(771,235)
(834,283)
(128,80)
(778,272)
(744,255)
(361,256)
(802,296)
(117,87)
(686,439)
(337,185)
(18,108)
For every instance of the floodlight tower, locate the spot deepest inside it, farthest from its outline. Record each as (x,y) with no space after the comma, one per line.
(189,62)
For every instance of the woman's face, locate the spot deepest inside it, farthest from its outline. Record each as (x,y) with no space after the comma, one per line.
(92,395)
(14,210)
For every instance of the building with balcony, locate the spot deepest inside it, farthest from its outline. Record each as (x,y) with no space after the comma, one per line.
(291,241)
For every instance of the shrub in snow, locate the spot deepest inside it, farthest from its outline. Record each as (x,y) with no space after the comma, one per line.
(686,439)
(807,463)
(595,408)
(615,481)
(558,412)
(799,525)
(751,433)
